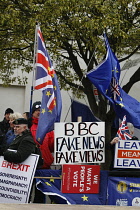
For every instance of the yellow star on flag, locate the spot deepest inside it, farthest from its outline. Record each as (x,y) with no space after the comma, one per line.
(49,69)
(51,180)
(120,99)
(48,93)
(43,111)
(54,87)
(85,198)
(54,103)
(115,70)
(50,111)
(47,183)
(121,105)
(52,75)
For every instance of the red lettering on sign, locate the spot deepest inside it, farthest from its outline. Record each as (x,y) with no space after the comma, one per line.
(19,166)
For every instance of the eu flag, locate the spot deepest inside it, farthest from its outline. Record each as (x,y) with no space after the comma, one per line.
(46,80)
(106,79)
(52,187)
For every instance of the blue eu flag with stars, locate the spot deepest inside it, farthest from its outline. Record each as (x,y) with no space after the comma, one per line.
(52,187)
(106,79)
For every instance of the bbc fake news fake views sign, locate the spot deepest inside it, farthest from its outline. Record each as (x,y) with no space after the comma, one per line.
(79,142)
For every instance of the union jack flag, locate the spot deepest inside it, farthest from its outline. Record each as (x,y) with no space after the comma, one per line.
(43,68)
(115,88)
(46,80)
(123,131)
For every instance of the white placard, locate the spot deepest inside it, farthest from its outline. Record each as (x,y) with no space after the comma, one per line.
(16,179)
(127,154)
(79,142)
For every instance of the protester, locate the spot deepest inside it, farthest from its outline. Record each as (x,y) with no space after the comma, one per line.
(4,125)
(47,146)
(26,115)
(9,137)
(23,143)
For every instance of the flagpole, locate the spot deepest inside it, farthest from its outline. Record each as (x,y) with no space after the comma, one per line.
(34,68)
(46,177)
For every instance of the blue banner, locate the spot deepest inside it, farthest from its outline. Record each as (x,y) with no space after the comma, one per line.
(123,191)
(52,187)
(79,109)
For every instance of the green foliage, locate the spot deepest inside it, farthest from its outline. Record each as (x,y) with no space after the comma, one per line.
(72,30)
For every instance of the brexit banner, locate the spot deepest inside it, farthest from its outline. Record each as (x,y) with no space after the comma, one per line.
(127,154)
(80,178)
(79,142)
(16,179)
(124,191)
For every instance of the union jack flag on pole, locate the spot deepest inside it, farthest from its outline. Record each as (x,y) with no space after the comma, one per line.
(46,80)
(123,131)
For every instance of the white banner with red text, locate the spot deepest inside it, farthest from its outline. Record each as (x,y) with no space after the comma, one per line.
(16,179)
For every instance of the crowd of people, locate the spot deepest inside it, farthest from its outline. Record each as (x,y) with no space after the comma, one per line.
(18,132)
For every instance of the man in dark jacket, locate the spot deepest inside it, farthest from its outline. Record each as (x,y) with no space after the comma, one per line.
(23,143)
(4,125)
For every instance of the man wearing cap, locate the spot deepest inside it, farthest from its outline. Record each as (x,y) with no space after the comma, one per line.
(23,143)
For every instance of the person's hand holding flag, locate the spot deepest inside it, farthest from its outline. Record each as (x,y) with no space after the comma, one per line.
(123,132)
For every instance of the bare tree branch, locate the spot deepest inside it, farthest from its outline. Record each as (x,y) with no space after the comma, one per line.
(132,53)
(135,78)
(68,82)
